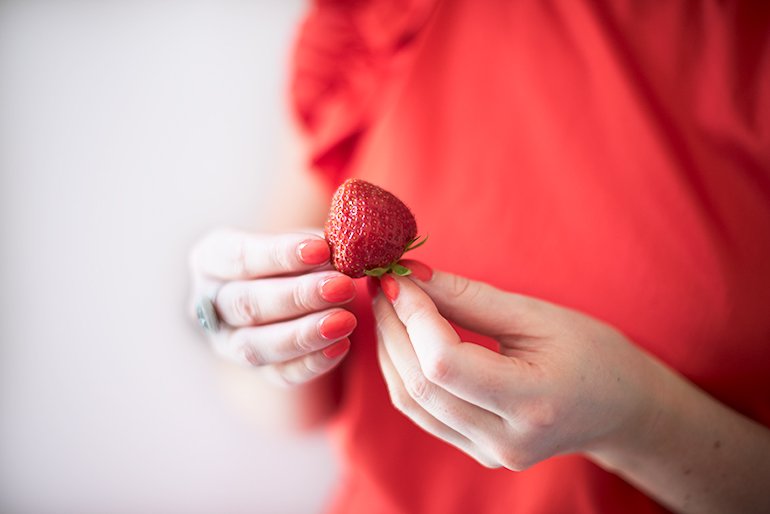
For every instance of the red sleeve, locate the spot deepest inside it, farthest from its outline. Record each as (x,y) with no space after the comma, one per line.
(340,65)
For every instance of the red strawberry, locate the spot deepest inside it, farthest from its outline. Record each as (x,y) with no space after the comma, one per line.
(368,230)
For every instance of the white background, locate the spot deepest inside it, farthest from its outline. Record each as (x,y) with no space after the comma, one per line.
(126,130)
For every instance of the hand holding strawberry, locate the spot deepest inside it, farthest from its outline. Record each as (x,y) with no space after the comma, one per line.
(561,382)
(278,301)
(276,296)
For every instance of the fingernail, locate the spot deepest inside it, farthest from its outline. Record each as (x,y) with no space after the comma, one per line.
(420,270)
(336,349)
(372,283)
(338,289)
(313,251)
(336,325)
(389,287)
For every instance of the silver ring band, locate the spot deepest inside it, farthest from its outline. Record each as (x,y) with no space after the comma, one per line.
(207,315)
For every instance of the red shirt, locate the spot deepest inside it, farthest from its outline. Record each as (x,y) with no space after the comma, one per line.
(612,157)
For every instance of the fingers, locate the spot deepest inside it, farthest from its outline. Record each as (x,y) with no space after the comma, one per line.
(466,370)
(467,419)
(274,322)
(282,342)
(291,352)
(308,367)
(410,408)
(257,302)
(231,255)
(475,305)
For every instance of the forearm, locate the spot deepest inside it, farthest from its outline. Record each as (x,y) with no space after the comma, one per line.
(694,454)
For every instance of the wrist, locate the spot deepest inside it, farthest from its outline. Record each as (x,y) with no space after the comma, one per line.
(645,428)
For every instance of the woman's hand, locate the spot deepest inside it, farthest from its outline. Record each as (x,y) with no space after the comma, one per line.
(563,382)
(278,301)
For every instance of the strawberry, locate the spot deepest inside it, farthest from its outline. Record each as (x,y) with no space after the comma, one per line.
(368,230)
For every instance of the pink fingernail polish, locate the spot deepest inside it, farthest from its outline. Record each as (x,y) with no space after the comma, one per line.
(420,270)
(313,251)
(337,324)
(338,289)
(335,350)
(389,287)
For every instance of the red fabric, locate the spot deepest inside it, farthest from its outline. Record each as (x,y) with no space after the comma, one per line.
(613,157)
(346,52)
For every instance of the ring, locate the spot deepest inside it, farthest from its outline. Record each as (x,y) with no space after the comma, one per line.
(207,315)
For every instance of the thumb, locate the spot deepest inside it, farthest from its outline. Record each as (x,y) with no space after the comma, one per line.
(475,305)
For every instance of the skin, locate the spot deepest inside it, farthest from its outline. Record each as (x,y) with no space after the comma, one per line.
(562,383)
(243,260)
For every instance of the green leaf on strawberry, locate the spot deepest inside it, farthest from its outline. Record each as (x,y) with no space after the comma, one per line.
(400,270)
(376,272)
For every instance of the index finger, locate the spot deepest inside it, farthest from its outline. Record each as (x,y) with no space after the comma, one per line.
(467,370)
(236,255)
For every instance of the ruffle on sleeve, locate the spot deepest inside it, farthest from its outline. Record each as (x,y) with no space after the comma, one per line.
(342,57)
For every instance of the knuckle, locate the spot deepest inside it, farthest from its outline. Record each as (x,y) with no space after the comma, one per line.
(487,462)
(246,307)
(512,459)
(253,356)
(384,319)
(303,342)
(418,387)
(436,368)
(301,297)
(539,415)
(417,316)
(516,454)
(311,367)
(238,344)
(463,287)
(401,400)
(279,257)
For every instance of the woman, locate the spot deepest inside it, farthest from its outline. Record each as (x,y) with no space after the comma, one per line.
(595,180)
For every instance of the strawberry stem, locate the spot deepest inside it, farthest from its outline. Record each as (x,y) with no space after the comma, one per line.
(411,244)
